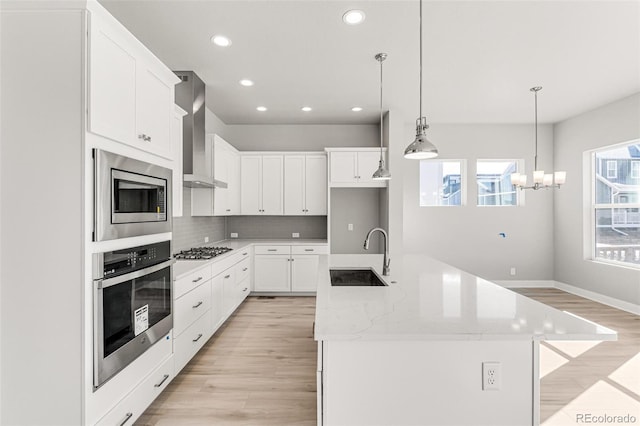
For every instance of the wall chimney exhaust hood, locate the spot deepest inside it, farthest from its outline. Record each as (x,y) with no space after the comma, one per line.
(190,96)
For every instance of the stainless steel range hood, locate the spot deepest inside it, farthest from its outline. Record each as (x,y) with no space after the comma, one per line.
(190,96)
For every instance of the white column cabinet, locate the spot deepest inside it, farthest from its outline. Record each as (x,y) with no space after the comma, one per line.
(154,105)
(354,167)
(261,182)
(305,184)
(176,142)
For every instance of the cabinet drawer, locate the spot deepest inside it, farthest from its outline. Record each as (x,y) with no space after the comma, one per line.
(191,281)
(311,249)
(272,249)
(127,411)
(190,307)
(243,270)
(191,340)
(221,265)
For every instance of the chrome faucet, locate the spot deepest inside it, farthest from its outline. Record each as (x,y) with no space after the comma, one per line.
(386,261)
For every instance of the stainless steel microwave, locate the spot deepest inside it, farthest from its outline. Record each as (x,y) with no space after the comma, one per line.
(131,197)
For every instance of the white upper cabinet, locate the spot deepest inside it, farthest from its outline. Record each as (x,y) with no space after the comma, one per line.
(261,181)
(305,184)
(354,167)
(226,168)
(130,90)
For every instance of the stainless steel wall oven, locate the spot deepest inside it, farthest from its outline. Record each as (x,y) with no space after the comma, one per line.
(132,294)
(131,197)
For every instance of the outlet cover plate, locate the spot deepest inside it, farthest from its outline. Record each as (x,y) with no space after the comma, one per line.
(491,376)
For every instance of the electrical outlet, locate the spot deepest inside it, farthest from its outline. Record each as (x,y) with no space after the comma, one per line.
(206,239)
(295,235)
(513,271)
(350,227)
(491,376)
(234,235)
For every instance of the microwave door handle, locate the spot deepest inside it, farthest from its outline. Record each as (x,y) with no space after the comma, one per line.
(104,283)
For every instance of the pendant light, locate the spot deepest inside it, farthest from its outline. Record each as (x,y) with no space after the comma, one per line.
(382,173)
(421,148)
(540,179)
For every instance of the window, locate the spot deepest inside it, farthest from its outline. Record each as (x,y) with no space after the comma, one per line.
(441,183)
(494,182)
(612,169)
(616,204)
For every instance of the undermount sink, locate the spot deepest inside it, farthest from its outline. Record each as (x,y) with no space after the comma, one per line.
(363,277)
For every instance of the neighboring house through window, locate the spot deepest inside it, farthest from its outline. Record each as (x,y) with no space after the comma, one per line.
(442,183)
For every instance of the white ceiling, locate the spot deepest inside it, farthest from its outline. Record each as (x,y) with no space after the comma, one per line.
(480,57)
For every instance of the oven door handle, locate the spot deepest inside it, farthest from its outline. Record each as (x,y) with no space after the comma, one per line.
(104,283)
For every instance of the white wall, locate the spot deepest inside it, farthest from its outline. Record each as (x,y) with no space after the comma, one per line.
(610,124)
(468,236)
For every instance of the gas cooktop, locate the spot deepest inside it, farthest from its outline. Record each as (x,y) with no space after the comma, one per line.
(201,253)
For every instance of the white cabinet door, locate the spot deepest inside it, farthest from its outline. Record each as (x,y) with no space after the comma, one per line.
(234,184)
(368,162)
(271,272)
(304,272)
(294,185)
(315,185)
(344,167)
(176,142)
(272,185)
(251,185)
(112,84)
(229,296)
(154,102)
(217,301)
(221,157)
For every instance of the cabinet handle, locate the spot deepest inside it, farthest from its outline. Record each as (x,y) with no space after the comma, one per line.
(126,418)
(164,379)
(197,305)
(272,249)
(244,269)
(245,289)
(142,136)
(244,254)
(196,280)
(198,338)
(309,249)
(148,139)
(227,276)
(228,210)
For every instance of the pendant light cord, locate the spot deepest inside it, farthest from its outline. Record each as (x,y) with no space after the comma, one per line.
(381,119)
(535,160)
(420,63)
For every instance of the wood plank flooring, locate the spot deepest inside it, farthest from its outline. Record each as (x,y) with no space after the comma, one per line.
(597,378)
(259,369)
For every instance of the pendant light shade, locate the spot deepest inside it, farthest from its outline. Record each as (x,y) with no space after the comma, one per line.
(421,148)
(382,173)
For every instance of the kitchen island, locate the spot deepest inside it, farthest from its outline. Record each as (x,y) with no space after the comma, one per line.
(413,352)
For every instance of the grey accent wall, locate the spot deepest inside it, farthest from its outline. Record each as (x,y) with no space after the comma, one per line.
(468,236)
(260,227)
(610,124)
(361,207)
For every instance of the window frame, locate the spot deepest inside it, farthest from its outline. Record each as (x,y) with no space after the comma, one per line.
(593,207)
(634,173)
(613,175)
(519,169)
(463,182)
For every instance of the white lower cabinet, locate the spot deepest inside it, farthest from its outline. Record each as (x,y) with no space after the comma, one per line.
(134,404)
(191,341)
(287,268)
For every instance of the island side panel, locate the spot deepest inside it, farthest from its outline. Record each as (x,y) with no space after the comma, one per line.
(427,383)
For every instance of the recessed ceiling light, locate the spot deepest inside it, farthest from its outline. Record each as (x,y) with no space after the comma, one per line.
(246,82)
(356,109)
(221,41)
(261,108)
(353,17)
(306,109)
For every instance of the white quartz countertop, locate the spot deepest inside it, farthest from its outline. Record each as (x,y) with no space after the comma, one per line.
(429,300)
(184,267)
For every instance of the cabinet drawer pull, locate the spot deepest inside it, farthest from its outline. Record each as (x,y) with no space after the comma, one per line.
(228,210)
(244,269)
(126,418)
(197,305)
(164,379)
(198,338)
(196,280)
(245,289)
(244,254)
(227,276)
(272,249)
(309,249)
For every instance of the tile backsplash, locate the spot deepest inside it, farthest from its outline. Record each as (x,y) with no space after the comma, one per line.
(190,231)
(261,227)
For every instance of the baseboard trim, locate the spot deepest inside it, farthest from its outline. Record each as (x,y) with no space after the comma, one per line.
(526,283)
(587,294)
(600,298)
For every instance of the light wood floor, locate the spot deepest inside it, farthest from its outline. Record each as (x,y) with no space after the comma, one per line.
(589,377)
(259,369)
